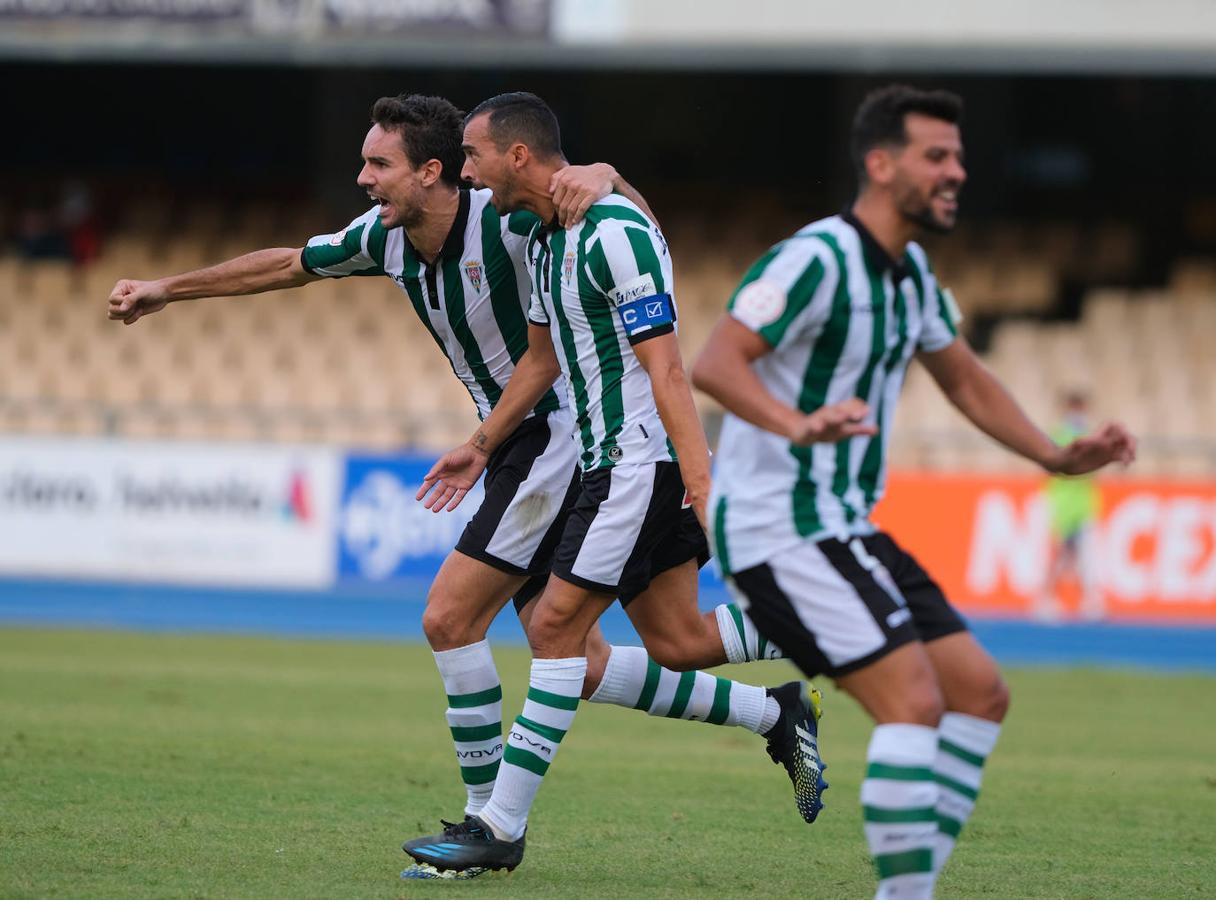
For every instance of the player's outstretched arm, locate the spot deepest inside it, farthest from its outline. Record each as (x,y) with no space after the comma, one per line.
(980,396)
(454,475)
(262,270)
(576,188)
(723,370)
(660,357)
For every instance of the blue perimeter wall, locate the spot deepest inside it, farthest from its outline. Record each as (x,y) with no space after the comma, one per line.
(382,613)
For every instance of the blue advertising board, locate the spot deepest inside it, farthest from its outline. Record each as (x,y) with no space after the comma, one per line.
(383,533)
(386,537)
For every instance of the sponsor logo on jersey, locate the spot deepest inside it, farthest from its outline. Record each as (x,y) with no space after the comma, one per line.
(643,286)
(337,239)
(473,269)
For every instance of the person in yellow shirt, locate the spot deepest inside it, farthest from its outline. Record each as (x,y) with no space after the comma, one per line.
(1073,503)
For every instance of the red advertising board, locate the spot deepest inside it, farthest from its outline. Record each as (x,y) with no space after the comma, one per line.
(987,542)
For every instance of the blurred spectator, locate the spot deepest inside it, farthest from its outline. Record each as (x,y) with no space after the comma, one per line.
(1073,504)
(39,235)
(79,223)
(66,231)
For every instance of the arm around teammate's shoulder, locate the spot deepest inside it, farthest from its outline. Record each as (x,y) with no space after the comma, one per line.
(253,273)
(575,190)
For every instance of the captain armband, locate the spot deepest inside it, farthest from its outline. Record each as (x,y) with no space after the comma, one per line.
(643,312)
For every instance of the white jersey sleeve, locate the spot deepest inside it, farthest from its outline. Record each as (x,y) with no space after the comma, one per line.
(940,315)
(788,292)
(629,261)
(358,249)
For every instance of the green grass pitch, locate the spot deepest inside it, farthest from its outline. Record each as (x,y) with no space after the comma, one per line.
(165,766)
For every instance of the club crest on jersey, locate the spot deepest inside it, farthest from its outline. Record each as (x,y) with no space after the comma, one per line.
(568,266)
(473,269)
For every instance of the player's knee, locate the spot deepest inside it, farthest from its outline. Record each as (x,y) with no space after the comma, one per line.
(996,703)
(444,629)
(548,631)
(987,699)
(924,706)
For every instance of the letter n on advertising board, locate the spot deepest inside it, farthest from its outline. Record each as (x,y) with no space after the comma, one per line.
(1151,552)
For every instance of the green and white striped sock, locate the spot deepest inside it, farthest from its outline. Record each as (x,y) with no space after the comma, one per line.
(964,744)
(553,691)
(474,716)
(898,800)
(740,639)
(634,680)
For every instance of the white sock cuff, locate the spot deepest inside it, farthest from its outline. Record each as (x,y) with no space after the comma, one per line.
(903,744)
(626,666)
(565,674)
(465,654)
(732,641)
(972,733)
(466,669)
(750,703)
(768,718)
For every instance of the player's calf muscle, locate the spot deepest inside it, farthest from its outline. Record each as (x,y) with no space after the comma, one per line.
(682,653)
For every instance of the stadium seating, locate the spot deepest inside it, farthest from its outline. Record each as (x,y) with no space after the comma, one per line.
(348,362)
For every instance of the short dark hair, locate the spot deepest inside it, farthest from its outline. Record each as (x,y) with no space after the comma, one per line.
(524,118)
(429,127)
(880,118)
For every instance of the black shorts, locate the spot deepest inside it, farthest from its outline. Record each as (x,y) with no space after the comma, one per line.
(629,524)
(837,606)
(531,481)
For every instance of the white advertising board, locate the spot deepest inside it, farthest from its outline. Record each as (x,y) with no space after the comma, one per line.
(222,514)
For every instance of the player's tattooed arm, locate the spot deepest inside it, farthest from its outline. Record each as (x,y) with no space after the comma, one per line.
(481,442)
(458,470)
(532,377)
(253,273)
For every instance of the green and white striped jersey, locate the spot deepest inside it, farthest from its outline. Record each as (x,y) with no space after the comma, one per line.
(843,320)
(473,300)
(602,286)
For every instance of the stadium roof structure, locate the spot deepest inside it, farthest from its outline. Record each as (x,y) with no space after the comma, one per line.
(1170,37)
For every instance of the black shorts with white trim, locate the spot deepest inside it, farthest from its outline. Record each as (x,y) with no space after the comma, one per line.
(629,524)
(835,607)
(515,466)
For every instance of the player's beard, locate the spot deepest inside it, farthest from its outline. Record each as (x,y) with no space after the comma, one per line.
(919,211)
(503,196)
(406,217)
